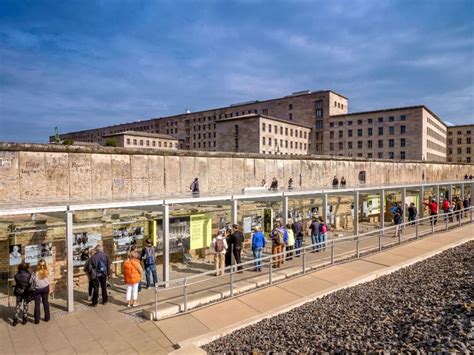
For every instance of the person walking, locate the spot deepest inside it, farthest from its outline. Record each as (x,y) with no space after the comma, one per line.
(298,233)
(99,268)
(149,262)
(323,232)
(458,207)
(194,187)
(412,212)
(41,294)
(87,268)
(446,205)
(335,182)
(237,241)
(274,185)
(397,220)
(218,248)
(290,244)
(278,240)
(264,184)
(433,207)
(290,184)
(314,232)
(258,243)
(23,292)
(343,181)
(465,205)
(132,274)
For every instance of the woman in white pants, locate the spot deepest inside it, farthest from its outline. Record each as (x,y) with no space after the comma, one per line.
(132,274)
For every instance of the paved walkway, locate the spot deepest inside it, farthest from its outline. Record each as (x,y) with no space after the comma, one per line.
(110,329)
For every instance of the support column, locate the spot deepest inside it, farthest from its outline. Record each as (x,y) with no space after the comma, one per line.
(325,209)
(404,199)
(437,194)
(166,243)
(234,208)
(421,206)
(69,261)
(462,191)
(356,212)
(382,208)
(450,192)
(285,210)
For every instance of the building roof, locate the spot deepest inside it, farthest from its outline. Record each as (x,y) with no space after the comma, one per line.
(392,109)
(256,115)
(461,126)
(142,134)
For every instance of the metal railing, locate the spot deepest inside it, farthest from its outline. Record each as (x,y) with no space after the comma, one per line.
(403,232)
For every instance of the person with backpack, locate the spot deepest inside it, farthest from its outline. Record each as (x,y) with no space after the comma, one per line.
(132,275)
(297,227)
(314,232)
(41,294)
(194,187)
(290,244)
(87,269)
(278,241)
(23,291)
(236,242)
(323,230)
(149,262)
(412,212)
(219,248)
(99,269)
(258,243)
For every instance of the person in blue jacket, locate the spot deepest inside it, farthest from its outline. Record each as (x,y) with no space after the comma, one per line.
(258,243)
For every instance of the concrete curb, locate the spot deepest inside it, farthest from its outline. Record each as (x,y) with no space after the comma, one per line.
(194,344)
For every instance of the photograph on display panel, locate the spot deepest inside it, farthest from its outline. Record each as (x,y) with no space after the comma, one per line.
(125,237)
(180,235)
(15,254)
(82,244)
(33,253)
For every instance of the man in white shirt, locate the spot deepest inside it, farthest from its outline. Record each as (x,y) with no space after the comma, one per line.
(218,248)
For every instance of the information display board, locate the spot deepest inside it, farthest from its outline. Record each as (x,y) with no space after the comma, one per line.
(33,253)
(82,244)
(201,231)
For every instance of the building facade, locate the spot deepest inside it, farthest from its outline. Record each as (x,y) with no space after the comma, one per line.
(413,133)
(131,139)
(461,144)
(256,133)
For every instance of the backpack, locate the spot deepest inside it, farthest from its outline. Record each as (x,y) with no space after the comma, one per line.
(101,267)
(280,237)
(219,245)
(149,256)
(324,228)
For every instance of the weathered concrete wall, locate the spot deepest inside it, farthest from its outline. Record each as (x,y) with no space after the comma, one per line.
(54,173)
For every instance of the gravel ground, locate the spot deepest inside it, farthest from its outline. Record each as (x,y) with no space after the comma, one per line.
(424,307)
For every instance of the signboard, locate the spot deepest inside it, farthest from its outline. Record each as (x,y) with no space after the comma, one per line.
(247,222)
(124,237)
(33,253)
(82,244)
(180,234)
(373,205)
(15,254)
(201,231)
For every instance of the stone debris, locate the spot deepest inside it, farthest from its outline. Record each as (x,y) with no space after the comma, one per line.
(426,307)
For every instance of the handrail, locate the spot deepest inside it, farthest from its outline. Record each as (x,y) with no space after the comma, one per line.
(268,260)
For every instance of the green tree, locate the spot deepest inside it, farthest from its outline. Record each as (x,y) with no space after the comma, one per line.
(110,142)
(68,141)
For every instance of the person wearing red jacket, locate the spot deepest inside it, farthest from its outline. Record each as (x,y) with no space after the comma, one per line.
(433,206)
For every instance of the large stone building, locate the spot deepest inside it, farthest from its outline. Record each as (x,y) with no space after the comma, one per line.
(133,139)
(256,133)
(461,144)
(412,132)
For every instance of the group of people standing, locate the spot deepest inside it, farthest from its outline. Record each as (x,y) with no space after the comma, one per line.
(335,182)
(227,244)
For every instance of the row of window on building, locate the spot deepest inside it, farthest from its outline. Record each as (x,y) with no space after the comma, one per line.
(459,150)
(210,144)
(459,141)
(468,132)
(284,130)
(369,144)
(152,143)
(460,160)
(379,155)
(284,143)
(436,124)
(370,132)
(369,121)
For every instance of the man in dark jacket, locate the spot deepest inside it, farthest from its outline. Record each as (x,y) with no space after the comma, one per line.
(298,232)
(149,261)
(236,242)
(99,269)
(23,292)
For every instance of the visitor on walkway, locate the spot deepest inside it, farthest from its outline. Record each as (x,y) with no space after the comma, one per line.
(264,184)
(298,233)
(290,244)
(343,182)
(274,185)
(228,253)
(323,233)
(290,184)
(132,275)
(445,206)
(335,182)
(219,248)
(397,221)
(278,241)
(149,262)
(41,294)
(458,207)
(195,187)
(258,243)
(433,207)
(465,204)
(23,291)
(237,241)
(314,232)
(87,269)
(412,212)
(99,268)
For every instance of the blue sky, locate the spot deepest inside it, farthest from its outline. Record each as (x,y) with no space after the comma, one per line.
(84,64)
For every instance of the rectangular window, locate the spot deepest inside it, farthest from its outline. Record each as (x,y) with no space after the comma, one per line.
(319,113)
(369,132)
(391,155)
(380,155)
(349,145)
(402,142)
(359,132)
(380,143)
(369,144)
(341,134)
(369,155)
(319,124)
(359,155)
(341,145)
(290,116)
(263,140)
(359,144)
(134,142)
(468,140)
(128,140)
(141,141)
(402,155)
(340,123)
(349,123)
(147,143)
(403,118)
(291,133)
(391,143)
(331,124)
(263,127)
(380,119)
(459,150)
(391,130)
(291,144)
(380,131)
(331,134)
(290,107)
(331,146)
(265,111)
(153,143)
(269,128)
(270,141)
(286,131)
(349,133)
(459,140)
(159,144)
(359,121)
(370,121)
(391,119)
(402,129)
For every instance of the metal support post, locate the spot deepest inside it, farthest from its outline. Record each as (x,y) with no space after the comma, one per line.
(357,247)
(270,272)
(69,261)
(380,242)
(185,290)
(325,209)
(421,206)
(404,209)
(234,208)
(232,282)
(304,258)
(416,227)
(285,210)
(356,212)
(450,192)
(462,191)
(437,194)
(382,210)
(156,301)
(432,227)
(332,252)
(447,220)
(166,244)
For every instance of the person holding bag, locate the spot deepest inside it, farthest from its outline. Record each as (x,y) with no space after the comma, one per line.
(23,291)
(132,274)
